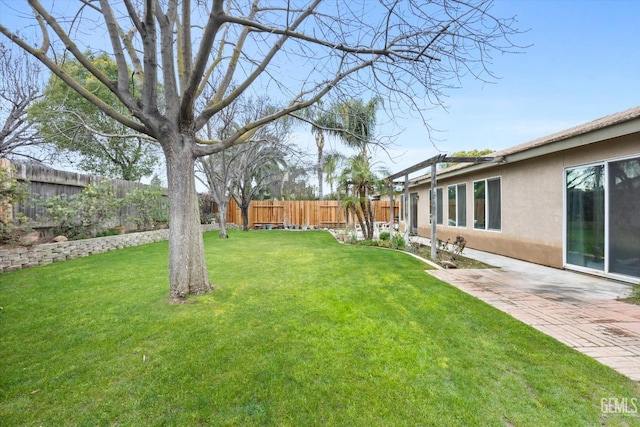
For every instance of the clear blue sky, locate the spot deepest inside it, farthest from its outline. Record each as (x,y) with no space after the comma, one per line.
(584,63)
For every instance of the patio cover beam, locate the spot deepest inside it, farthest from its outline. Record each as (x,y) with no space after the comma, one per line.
(432,163)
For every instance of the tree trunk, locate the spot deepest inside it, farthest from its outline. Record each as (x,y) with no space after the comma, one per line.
(370,219)
(244,209)
(222,221)
(187,266)
(320,145)
(356,213)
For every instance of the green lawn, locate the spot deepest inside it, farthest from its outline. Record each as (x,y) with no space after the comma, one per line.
(300,331)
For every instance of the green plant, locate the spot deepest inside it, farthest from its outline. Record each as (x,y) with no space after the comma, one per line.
(635,295)
(84,214)
(149,207)
(208,218)
(453,250)
(97,207)
(397,241)
(11,191)
(61,211)
(109,232)
(385,235)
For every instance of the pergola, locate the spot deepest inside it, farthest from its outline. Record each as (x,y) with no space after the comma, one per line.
(432,163)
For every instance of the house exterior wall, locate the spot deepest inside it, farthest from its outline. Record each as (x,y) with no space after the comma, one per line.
(532,201)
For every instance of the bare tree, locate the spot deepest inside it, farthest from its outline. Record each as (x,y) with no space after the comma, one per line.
(257,165)
(406,51)
(217,171)
(20,86)
(244,164)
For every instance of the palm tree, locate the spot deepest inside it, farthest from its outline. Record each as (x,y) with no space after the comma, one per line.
(363,181)
(322,121)
(333,164)
(357,122)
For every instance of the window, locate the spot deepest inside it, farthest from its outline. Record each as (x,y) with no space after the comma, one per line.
(487,205)
(457,196)
(462,205)
(439,206)
(494,204)
(451,190)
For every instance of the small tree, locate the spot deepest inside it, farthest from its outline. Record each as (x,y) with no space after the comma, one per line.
(98,207)
(324,121)
(363,183)
(95,142)
(224,171)
(259,165)
(149,206)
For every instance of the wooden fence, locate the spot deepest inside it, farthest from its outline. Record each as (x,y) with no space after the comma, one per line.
(43,183)
(313,213)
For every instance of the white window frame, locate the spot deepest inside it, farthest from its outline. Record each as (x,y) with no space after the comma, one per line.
(457,205)
(487,207)
(439,190)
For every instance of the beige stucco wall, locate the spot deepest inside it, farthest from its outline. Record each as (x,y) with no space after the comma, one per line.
(532,202)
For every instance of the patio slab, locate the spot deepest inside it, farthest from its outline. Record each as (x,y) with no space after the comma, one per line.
(581,311)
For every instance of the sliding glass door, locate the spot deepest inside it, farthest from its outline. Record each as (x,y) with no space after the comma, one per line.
(624,217)
(603,217)
(585,217)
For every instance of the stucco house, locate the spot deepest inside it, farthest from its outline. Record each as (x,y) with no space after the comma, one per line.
(568,200)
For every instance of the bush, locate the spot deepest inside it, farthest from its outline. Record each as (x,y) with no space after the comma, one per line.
(11,191)
(397,241)
(62,212)
(453,250)
(98,207)
(149,206)
(385,235)
(85,214)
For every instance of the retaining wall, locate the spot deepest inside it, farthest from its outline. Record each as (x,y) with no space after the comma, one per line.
(47,253)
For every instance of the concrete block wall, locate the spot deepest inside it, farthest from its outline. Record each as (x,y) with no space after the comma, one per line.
(26,257)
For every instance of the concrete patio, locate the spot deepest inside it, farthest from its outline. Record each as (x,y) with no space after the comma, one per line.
(578,310)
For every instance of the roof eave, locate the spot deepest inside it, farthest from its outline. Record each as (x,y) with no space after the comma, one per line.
(514,155)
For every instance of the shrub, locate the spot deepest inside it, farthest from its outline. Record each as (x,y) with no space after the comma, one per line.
(385,235)
(149,206)
(397,241)
(452,249)
(62,212)
(85,214)
(98,207)
(11,191)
